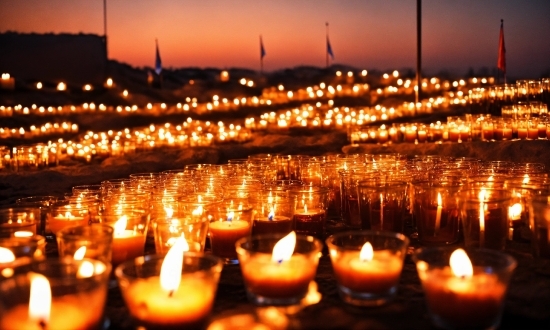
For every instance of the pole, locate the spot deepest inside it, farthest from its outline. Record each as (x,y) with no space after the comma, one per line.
(326,49)
(105,25)
(418,53)
(261,56)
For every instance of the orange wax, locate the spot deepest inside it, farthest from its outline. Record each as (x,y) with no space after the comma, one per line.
(464,302)
(127,245)
(378,275)
(187,307)
(287,279)
(79,312)
(224,235)
(522,133)
(59,222)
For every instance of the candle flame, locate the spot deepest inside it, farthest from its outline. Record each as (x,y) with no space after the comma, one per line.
(230,216)
(80,253)
(367,252)
(40,298)
(439,201)
(284,248)
(514,211)
(526,179)
(271,215)
(305,208)
(170,271)
(461,266)
(481,195)
(198,211)
(23,233)
(120,225)
(6,255)
(169,212)
(85,270)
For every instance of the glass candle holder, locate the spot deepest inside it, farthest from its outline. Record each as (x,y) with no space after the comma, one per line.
(97,239)
(17,253)
(191,224)
(73,284)
(277,282)
(129,234)
(232,221)
(65,214)
(310,214)
(464,293)
(484,214)
(539,222)
(42,202)
(382,204)
(186,307)
(436,212)
(272,214)
(19,219)
(367,277)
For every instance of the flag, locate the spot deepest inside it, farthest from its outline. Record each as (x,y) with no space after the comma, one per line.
(501,62)
(262,49)
(158,65)
(329,49)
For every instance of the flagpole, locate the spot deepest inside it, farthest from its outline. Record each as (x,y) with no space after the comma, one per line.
(326,51)
(261,57)
(418,53)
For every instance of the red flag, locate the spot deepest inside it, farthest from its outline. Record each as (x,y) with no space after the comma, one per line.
(501,62)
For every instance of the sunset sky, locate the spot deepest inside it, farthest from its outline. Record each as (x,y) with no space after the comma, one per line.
(372,34)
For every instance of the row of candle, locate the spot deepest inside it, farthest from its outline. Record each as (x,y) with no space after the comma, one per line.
(475,128)
(36,131)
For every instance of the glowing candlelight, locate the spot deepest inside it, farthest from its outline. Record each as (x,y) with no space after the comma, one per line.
(481,217)
(40,300)
(284,248)
(438,214)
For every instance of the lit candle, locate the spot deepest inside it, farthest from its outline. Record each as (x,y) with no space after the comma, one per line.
(127,244)
(271,224)
(438,214)
(170,300)
(461,295)
(224,235)
(67,219)
(381,211)
(310,221)
(367,271)
(281,274)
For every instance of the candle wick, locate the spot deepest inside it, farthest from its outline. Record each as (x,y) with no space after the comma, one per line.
(43,325)
(171,293)
(280,261)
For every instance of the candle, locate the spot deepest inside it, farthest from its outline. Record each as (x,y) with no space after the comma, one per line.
(272,224)
(462,296)
(368,271)
(310,221)
(127,244)
(180,296)
(47,311)
(282,276)
(224,234)
(381,211)
(438,214)
(63,220)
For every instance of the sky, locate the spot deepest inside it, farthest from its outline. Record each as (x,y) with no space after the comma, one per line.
(371,34)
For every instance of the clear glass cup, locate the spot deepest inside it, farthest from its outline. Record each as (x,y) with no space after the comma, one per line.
(473,301)
(369,280)
(44,203)
(310,213)
(96,238)
(382,204)
(272,213)
(187,307)
(19,219)
(129,234)
(484,215)
(281,282)
(71,288)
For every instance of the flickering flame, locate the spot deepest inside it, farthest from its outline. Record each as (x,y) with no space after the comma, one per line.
(525,179)
(80,253)
(198,210)
(23,233)
(514,212)
(367,253)
(6,255)
(230,216)
(305,208)
(284,248)
(170,271)
(120,225)
(40,299)
(439,201)
(461,266)
(481,195)
(169,212)
(271,215)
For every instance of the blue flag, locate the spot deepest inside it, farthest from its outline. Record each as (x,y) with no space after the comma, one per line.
(262,49)
(158,65)
(329,49)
